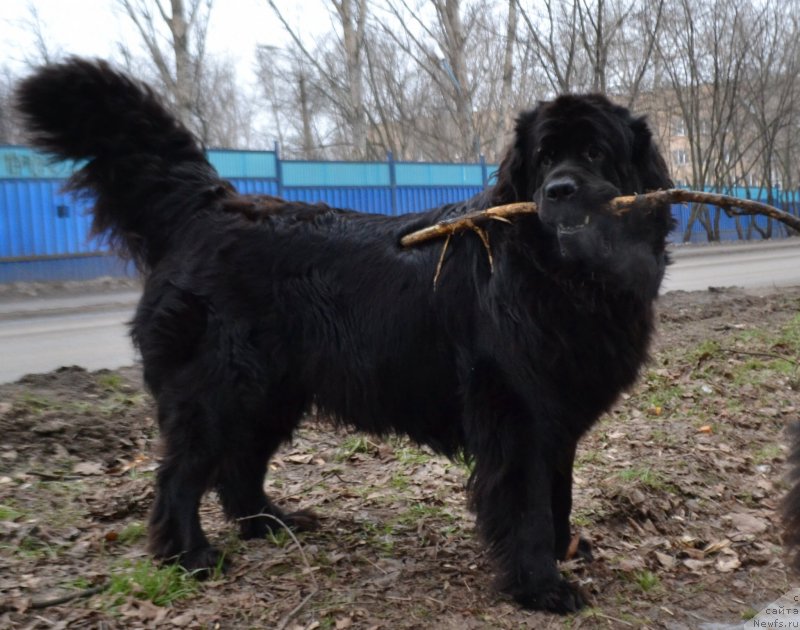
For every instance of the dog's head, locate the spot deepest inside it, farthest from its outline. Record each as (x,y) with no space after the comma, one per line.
(571,156)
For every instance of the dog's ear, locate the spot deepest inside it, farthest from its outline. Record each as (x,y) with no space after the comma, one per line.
(515,175)
(651,169)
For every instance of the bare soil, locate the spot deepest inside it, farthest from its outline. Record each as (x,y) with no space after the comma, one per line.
(677,489)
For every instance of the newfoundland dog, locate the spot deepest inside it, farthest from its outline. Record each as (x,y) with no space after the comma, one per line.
(256,309)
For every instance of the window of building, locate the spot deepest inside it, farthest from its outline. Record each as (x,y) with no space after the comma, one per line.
(678,127)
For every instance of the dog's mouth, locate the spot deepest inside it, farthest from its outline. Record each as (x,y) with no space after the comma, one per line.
(568,229)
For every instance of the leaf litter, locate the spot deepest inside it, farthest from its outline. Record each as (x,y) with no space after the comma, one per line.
(677,489)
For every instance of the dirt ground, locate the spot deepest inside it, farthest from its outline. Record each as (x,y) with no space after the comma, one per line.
(677,489)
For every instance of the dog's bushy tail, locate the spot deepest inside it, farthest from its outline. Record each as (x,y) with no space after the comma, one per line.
(147,173)
(791,504)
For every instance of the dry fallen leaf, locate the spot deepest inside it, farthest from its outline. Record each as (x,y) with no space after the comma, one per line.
(696,566)
(88,468)
(728,561)
(748,524)
(668,562)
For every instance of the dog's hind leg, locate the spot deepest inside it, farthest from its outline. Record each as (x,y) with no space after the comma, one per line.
(240,480)
(240,485)
(184,475)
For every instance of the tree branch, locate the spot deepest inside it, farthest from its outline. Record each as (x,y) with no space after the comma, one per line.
(733,206)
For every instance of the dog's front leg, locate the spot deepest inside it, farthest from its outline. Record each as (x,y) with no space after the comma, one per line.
(512,492)
(562,505)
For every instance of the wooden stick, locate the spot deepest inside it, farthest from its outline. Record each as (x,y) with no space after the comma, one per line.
(459,223)
(617,206)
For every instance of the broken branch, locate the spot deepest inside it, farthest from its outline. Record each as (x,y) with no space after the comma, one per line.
(617,206)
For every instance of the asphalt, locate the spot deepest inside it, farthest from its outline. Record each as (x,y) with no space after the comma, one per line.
(18,307)
(77,300)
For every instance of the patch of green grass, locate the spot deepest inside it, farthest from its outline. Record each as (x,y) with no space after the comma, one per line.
(111,381)
(751,336)
(411,455)
(279,537)
(464,461)
(748,499)
(33,403)
(582,518)
(734,404)
(767,453)
(35,548)
(399,482)
(789,336)
(352,445)
(643,475)
(420,511)
(326,623)
(663,438)
(647,580)
(80,583)
(749,613)
(659,390)
(133,532)
(590,457)
(8,513)
(748,371)
(705,350)
(381,536)
(145,580)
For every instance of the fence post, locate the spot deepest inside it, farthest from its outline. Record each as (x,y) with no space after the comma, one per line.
(278,170)
(484,173)
(392,181)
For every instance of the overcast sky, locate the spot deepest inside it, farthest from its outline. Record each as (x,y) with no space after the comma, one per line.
(95,27)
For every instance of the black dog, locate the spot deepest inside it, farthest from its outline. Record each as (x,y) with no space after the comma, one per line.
(253,310)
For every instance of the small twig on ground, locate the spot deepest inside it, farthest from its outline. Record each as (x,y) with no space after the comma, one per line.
(596,613)
(38,604)
(767,355)
(290,615)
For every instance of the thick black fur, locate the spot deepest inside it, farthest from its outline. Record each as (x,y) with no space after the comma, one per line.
(255,309)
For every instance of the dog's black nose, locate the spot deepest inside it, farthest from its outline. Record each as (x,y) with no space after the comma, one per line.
(560,189)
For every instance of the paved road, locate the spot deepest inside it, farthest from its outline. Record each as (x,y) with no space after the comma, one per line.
(43,342)
(749,265)
(41,334)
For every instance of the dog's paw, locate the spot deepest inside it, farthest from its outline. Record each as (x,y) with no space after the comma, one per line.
(561,598)
(259,526)
(205,562)
(302,521)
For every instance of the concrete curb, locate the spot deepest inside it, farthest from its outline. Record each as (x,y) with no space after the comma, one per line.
(16,308)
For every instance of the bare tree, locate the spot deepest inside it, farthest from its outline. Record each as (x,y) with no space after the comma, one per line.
(703,56)
(338,63)
(554,36)
(437,39)
(174,34)
(770,97)
(10,129)
(179,64)
(593,45)
(285,78)
(43,50)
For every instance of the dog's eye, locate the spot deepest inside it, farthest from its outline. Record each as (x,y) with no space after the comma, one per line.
(592,153)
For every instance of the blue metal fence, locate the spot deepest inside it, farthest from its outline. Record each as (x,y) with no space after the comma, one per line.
(44,232)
